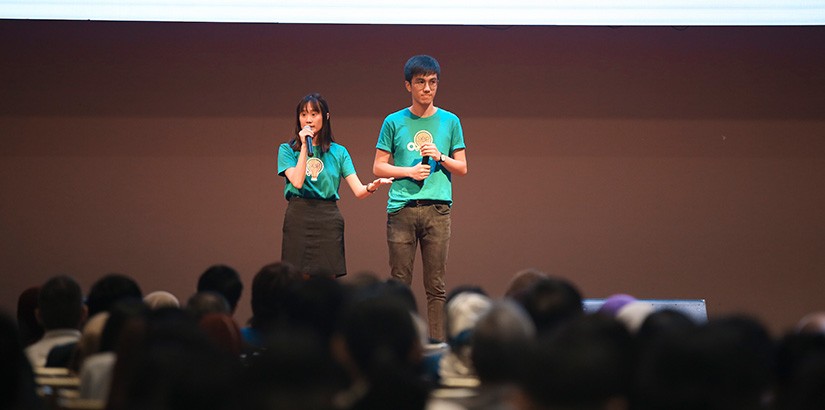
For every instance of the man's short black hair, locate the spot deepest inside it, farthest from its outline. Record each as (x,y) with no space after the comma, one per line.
(61,303)
(223,280)
(421,65)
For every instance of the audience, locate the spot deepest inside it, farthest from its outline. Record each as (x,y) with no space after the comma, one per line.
(224,280)
(318,343)
(29,327)
(464,307)
(585,364)
(521,281)
(270,287)
(205,302)
(500,341)
(17,387)
(109,289)
(551,301)
(161,299)
(378,344)
(61,312)
(97,367)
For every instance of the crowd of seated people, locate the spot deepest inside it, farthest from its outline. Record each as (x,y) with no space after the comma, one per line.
(317,343)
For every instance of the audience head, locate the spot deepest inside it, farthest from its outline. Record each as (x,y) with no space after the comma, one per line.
(109,289)
(224,280)
(614,303)
(378,332)
(724,364)
(223,331)
(634,314)
(664,323)
(205,302)
(161,299)
(90,339)
(17,387)
(464,307)
(314,305)
(522,281)
(378,343)
(501,337)
(812,323)
(550,302)
(120,315)
(269,289)
(800,372)
(587,363)
(30,328)
(60,304)
(292,371)
(169,363)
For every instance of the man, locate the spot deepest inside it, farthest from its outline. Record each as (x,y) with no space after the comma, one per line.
(61,311)
(224,280)
(422,147)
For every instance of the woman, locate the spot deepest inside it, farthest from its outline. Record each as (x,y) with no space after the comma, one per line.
(313,233)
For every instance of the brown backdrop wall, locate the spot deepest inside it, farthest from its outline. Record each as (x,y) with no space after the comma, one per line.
(662,162)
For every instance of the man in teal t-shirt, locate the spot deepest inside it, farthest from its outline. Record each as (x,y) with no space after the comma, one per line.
(422,147)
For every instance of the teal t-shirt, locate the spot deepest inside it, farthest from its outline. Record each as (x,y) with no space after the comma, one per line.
(401,135)
(324,171)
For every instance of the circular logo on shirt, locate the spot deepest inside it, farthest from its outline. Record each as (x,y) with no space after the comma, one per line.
(314,167)
(421,137)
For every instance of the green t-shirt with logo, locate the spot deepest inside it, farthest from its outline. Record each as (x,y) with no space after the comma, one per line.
(401,135)
(324,171)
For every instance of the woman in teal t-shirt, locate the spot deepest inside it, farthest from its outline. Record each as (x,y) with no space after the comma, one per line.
(313,233)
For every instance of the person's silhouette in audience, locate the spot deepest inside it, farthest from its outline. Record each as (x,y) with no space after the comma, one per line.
(61,311)
(224,280)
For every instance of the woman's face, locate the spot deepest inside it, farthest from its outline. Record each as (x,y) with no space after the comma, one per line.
(312,117)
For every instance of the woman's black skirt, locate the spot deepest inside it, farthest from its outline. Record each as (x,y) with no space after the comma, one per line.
(313,238)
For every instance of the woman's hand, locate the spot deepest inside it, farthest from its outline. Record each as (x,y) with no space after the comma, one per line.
(374,185)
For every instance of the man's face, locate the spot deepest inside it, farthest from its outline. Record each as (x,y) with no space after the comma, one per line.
(423,88)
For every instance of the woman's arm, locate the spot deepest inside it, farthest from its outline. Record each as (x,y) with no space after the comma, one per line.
(362,191)
(297,174)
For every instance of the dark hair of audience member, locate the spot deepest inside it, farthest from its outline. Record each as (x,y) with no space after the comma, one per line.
(172,365)
(499,342)
(550,302)
(800,372)
(314,305)
(109,289)
(663,323)
(223,332)
(402,292)
(30,328)
(269,288)
(587,363)
(224,280)
(724,364)
(206,301)
(60,303)
(384,348)
(523,280)
(120,313)
(293,371)
(17,387)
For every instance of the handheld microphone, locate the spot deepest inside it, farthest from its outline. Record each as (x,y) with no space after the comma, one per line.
(309,147)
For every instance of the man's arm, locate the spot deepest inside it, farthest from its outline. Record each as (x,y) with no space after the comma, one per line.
(457,164)
(382,168)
